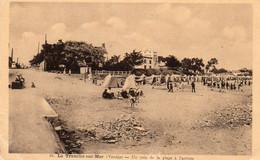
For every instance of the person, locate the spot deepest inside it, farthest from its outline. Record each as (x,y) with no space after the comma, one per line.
(168,85)
(20,79)
(137,94)
(144,81)
(118,95)
(239,86)
(70,72)
(141,93)
(64,71)
(124,94)
(193,86)
(105,94)
(234,86)
(214,84)
(131,92)
(132,100)
(223,85)
(17,78)
(110,93)
(170,88)
(33,85)
(226,85)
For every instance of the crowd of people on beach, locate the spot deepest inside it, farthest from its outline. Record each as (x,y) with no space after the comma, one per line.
(178,83)
(227,84)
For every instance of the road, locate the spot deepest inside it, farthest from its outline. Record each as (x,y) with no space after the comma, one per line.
(29,131)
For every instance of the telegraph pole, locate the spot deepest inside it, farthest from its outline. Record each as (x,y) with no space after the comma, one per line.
(45,38)
(38,47)
(12,54)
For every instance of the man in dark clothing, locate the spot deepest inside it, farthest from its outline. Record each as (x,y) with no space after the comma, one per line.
(170,87)
(105,94)
(132,92)
(223,85)
(110,93)
(193,86)
(124,94)
(226,85)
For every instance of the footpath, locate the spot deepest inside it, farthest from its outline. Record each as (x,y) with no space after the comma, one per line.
(29,131)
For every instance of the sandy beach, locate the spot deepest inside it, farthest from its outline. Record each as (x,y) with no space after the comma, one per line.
(207,122)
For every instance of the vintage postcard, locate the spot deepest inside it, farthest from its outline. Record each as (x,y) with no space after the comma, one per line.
(153,80)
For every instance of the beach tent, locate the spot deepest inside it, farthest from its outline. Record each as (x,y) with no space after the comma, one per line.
(172,77)
(142,76)
(139,78)
(129,82)
(107,80)
(90,76)
(113,81)
(151,79)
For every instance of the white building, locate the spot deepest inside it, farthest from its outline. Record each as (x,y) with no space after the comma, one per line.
(150,60)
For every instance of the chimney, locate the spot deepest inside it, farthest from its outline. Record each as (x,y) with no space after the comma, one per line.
(104,45)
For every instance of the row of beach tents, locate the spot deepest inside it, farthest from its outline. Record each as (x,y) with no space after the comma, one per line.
(124,82)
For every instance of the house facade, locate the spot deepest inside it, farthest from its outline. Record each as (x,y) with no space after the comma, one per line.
(150,60)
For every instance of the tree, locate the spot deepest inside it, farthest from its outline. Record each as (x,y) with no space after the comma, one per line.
(72,54)
(112,63)
(161,59)
(131,60)
(244,70)
(221,70)
(186,64)
(211,64)
(197,64)
(173,62)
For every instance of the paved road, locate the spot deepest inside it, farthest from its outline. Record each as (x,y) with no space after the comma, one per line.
(29,132)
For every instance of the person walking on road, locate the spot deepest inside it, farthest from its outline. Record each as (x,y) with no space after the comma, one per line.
(193,86)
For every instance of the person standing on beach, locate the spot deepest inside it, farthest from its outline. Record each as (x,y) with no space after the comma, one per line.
(170,89)
(227,85)
(193,86)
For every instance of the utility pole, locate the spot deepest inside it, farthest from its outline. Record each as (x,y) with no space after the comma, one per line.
(45,38)
(38,47)
(9,49)
(44,62)
(12,54)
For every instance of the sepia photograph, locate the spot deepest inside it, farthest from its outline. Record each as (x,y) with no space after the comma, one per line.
(130,78)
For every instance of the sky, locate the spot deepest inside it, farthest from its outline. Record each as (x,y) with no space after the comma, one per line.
(222,31)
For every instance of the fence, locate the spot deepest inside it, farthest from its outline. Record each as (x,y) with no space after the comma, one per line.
(103,72)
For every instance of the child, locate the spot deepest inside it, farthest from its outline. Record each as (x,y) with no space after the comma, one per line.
(132,100)
(33,85)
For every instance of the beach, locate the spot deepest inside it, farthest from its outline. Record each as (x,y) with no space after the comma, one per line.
(207,122)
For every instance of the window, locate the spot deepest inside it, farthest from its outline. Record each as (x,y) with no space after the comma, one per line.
(144,66)
(144,60)
(150,67)
(150,61)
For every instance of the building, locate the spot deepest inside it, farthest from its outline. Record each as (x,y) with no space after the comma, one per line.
(150,60)
(103,47)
